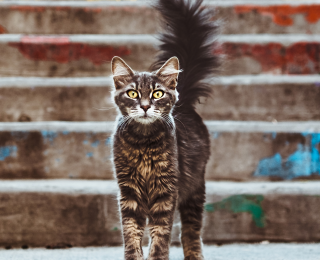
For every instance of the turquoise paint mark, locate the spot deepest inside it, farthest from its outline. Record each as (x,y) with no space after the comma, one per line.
(90,154)
(241,203)
(49,136)
(108,141)
(85,142)
(215,135)
(305,161)
(274,135)
(8,151)
(65,132)
(95,144)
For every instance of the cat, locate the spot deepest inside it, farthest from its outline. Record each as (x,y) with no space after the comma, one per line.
(161,145)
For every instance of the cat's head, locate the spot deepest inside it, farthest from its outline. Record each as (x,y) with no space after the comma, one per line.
(143,96)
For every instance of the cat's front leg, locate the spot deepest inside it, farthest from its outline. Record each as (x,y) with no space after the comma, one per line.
(133,224)
(160,222)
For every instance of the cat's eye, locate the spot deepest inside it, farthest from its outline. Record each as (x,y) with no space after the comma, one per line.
(158,94)
(132,93)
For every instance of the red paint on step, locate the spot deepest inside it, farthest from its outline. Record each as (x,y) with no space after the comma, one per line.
(28,8)
(298,58)
(281,14)
(2,30)
(60,49)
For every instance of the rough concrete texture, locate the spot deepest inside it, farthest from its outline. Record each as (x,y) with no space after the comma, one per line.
(85,153)
(137,17)
(230,101)
(230,252)
(55,214)
(49,56)
(84,56)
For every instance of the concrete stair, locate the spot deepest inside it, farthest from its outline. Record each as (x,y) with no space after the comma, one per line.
(57,188)
(90,55)
(84,213)
(232,252)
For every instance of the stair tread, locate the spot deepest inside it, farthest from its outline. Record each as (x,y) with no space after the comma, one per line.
(213,252)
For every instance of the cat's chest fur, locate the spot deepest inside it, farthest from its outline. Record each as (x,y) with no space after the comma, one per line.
(144,162)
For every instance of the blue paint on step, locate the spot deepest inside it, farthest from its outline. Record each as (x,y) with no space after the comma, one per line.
(90,154)
(49,136)
(95,144)
(8,151)
(304,162)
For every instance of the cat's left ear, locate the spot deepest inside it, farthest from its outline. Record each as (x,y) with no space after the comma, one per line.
(121,71)
(169,72)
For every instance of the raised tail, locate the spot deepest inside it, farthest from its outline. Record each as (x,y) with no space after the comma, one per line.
(189,34)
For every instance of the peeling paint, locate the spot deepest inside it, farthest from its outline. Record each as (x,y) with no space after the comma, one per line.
(298,58)
(215,135)
(282,14)
(49,136)
(241,203)
(85,142)
(2,30)
(304,162)
(59,49)
(8,151)
(89,155)
(108,141)
(95,144)
(65,132)
(28,8)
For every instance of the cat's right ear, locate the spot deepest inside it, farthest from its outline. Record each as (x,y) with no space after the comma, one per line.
(121,71)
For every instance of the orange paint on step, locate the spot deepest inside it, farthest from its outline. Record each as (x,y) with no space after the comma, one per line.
(61,50)
(298,58)
(281,14)
(2,30)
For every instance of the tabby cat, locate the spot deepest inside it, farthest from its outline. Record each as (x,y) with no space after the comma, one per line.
(161,146)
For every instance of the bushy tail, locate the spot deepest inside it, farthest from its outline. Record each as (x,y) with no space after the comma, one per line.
(189,34)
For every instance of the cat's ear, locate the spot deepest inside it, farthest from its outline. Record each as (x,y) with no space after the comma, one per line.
(169,72)
(121,71)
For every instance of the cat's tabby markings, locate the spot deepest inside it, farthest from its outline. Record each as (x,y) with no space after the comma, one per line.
(161,146)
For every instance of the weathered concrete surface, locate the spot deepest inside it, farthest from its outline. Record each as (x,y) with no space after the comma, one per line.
(90,55)
(49,56)
(127,17)
(212,252)
(251,151)
(73,99)
(63,213)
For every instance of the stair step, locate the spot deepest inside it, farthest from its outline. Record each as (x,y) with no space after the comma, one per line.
(90,55)
(62,213)
(246,97)
(137,17)
(240,151)
(231,252)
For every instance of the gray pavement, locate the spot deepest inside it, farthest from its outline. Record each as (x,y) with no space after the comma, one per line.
(225,252)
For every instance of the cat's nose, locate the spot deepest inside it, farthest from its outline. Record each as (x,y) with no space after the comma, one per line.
(145,108)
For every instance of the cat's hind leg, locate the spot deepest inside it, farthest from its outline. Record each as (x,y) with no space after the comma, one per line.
(191,211)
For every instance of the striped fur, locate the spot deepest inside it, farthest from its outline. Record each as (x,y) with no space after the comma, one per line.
(161,146)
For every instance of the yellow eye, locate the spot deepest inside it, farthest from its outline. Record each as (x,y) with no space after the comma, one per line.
(132,93)
(158,94)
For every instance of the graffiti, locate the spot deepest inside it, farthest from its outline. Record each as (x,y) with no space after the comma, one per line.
(49,136)
(241,203)
(61,50)
(8,151)
(303,162)
(281,14)
(298,58)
